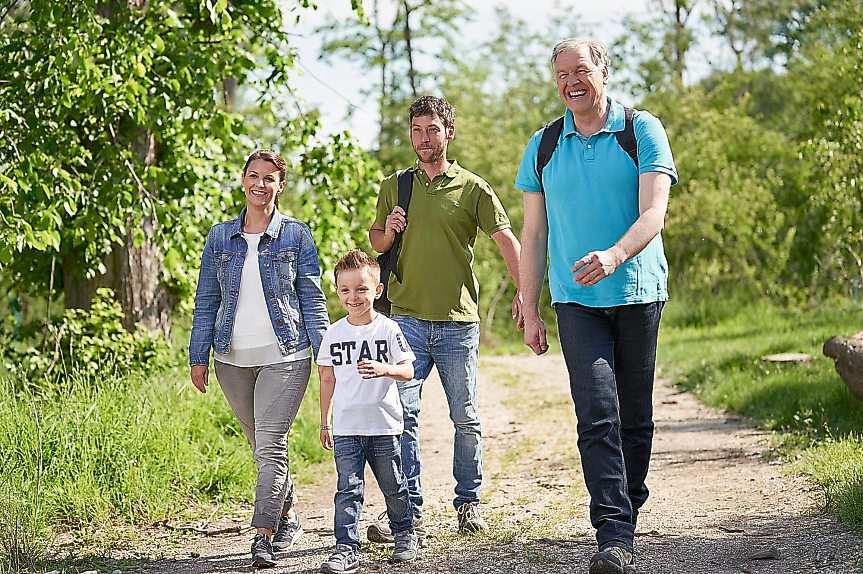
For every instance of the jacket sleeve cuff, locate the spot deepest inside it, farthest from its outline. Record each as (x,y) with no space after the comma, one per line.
(199,360)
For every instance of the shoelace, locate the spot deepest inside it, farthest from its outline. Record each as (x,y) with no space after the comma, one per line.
(261,541)
(469,511)
(342,555)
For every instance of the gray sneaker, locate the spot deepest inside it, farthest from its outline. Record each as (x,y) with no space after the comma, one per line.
(379,532)
(612,560)
(288,532)
(469,519)
(343,561)
(406,544)
(262,552)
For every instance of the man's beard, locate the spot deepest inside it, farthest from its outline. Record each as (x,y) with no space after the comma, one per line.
(436,154)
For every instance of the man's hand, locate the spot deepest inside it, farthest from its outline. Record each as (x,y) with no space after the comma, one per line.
(597,265)
(517,315)
(373,369)
(198,374)
(326,438)
(534,335)
(396,221)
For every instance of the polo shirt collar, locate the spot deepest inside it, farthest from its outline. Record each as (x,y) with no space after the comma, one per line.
(272,229)
(614,121)
(452,171)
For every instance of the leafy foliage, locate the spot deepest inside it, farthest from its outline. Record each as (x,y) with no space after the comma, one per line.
(81,343)
(131,118)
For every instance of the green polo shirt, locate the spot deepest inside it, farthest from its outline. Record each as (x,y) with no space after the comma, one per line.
(436,257)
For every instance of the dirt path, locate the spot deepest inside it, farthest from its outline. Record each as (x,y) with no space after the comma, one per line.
(715,500)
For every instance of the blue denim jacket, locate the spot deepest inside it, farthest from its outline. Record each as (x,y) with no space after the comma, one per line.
(290,276)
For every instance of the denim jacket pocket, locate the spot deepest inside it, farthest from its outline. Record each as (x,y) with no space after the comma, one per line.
(285,268)
(223,262)
(285,264)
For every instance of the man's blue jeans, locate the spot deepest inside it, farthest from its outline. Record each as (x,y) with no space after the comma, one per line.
(610,354)
(452,346)
(383,453)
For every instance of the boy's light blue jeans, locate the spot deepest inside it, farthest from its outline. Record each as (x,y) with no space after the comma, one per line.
(452,346)
(383,454)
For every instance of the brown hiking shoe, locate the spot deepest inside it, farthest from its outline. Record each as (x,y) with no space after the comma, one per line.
(612,560)
(379,532)
(469,519)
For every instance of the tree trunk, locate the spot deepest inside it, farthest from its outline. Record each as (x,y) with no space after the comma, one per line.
(383,42)
(229,93)
(679,48)
(409,48)
(132,271)
(137,282)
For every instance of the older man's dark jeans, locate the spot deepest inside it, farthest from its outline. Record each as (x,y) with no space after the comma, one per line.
(611,355)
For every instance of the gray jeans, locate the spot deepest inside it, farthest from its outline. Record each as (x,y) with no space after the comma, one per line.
(266,400)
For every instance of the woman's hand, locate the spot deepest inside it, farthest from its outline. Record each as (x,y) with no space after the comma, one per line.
(199,374)
(373,369)
(326,438)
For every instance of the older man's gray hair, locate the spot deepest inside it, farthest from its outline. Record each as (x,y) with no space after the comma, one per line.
(597,50)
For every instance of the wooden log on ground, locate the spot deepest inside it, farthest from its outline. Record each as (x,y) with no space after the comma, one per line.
(847,352)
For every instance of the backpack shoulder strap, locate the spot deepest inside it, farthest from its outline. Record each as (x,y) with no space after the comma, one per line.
(626,138)
(405,184)
(547,144)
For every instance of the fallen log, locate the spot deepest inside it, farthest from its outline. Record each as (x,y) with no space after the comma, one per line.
(847,352)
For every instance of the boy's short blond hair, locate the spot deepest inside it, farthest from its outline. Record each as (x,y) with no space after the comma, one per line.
(358,259)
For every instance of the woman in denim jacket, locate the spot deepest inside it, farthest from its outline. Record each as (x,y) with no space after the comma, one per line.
(260,307)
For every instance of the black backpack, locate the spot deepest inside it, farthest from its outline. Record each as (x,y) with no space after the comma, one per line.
(551,135)
(388,259)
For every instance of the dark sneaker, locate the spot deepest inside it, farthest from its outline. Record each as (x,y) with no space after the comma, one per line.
(343,561)
(262,552)
(469,519)
(406,546)
(379,532)
(612,560)
(288,533)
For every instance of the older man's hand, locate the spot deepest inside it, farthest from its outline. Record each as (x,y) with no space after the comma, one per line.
(597,265)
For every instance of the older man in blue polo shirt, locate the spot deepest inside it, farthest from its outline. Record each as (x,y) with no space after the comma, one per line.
(596,210)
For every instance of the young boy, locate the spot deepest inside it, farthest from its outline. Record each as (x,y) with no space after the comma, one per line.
(361,358)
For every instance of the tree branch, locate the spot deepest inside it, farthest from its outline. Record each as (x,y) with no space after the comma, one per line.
(7,10)
(131,169)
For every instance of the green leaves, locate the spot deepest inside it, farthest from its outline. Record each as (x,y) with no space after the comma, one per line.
(109,113)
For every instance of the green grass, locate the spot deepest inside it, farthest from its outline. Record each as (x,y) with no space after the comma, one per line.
(714,348)
(132,450)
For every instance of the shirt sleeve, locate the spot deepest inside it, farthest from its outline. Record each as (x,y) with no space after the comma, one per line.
(325,359)
(654,151)
(490,214)
(386,200)
(401,351)
(526,179)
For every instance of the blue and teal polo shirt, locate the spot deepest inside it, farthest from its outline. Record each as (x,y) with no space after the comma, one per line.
(591,197)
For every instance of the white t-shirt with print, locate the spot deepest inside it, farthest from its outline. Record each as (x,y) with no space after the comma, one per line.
(365,406)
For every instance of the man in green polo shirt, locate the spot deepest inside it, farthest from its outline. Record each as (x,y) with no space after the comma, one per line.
(435,302)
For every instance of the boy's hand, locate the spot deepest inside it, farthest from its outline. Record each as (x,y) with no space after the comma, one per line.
(326,439)
(373,369)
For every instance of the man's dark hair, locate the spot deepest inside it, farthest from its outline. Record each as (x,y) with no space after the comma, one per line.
(434,106)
